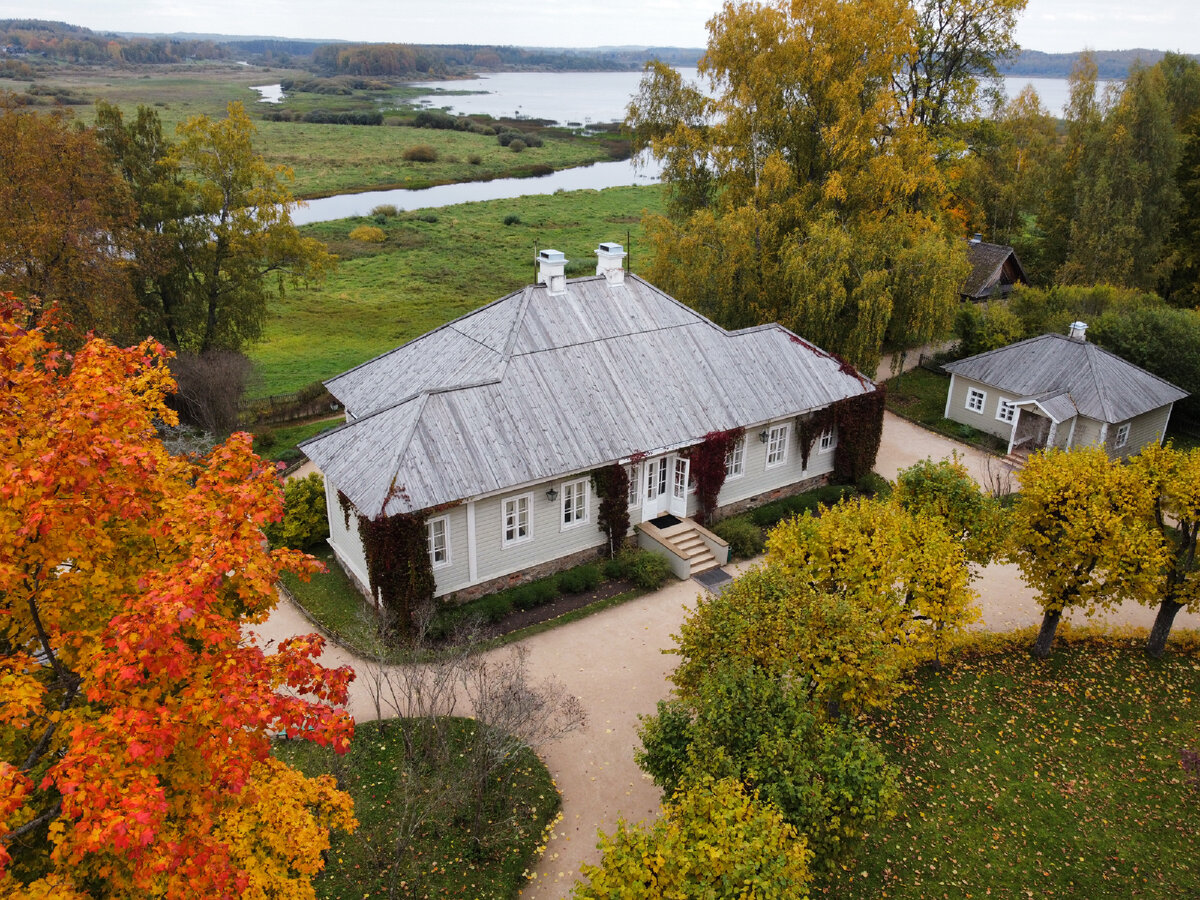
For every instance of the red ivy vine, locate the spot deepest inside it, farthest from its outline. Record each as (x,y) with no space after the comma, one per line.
(860,427)
(399,568)
(708,467)
(611,484)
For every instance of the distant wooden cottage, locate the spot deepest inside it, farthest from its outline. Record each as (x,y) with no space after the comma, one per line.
(1060,391)
(995,270)
(492,425)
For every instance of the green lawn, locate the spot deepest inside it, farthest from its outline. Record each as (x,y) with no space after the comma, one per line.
(1055,779)
(920,395)
(336,605)
(434,266)
(443,859)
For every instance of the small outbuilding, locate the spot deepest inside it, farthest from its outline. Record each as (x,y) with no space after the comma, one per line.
(1060,391)
(995,271)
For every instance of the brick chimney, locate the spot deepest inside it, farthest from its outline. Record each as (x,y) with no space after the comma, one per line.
(552,266)
(609,263)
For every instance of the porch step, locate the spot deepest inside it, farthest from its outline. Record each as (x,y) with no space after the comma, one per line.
(691,546)
(1016,461)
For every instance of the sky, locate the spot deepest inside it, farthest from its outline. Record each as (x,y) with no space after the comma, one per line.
(1054,26)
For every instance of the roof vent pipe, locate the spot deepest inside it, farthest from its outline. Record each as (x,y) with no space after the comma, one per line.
(552,265)
(609,259)
(1077,331)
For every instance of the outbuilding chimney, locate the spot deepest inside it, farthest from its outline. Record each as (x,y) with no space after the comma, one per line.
(977,238)
(609,263)
(552,266)
(1077,331)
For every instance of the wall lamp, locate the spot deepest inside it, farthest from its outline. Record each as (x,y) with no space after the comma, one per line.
(763,435)
(552,495)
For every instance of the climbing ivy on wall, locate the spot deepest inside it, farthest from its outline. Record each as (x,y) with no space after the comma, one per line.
(399,568)
(611,484)
(708,467)
(859,428)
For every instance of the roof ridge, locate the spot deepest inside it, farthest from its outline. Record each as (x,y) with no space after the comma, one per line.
(1101,390)
(402,450)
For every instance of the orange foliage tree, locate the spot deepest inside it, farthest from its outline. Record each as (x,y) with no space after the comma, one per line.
(135,716)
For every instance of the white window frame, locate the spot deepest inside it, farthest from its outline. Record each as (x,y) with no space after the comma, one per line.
(735,459)
(779,443)
(571,492)
(431,527)
(517,538)
(1005,411)
(1122,436)
(827,441)
(635,484)
(976,400)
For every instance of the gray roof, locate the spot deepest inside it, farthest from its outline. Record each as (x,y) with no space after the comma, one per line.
(1063,374)
(535,386)
(987,265)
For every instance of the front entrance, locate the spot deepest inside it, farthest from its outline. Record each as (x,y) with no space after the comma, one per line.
(664,486)
(1031,433)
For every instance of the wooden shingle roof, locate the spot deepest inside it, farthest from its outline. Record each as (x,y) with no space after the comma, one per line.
(988,263)
(537,386)
(1101,385)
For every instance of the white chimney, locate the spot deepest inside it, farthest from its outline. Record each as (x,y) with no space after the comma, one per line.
(977,239)
(552,266)
(1077,331)
(609,263)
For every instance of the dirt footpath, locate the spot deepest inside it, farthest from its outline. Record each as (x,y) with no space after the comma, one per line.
(613,662)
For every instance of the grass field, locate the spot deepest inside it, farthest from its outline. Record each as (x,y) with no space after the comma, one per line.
(429,272)
(326,159)
(1031,779)
(442,859)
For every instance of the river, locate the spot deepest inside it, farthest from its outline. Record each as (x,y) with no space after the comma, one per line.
(571,98)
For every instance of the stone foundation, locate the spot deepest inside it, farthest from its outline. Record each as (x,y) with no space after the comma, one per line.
(533,573)
(788,490)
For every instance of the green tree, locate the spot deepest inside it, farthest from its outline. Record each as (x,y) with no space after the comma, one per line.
(1174,477)
(1081,533)
(958,43)
(946,492)
(828,780)
(798,193)
(224,245)
(304,520)
(1126,203)
(715,841)
(66,224)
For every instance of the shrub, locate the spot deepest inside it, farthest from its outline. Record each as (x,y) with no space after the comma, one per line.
(579,579)
(304,521)
(265,440)
(536,593)
(541,170)
(387,210)
(745,538)
(615,568)
(647,570)
(427,217)
(475,159)
(369,234)
(493,608)
(504,138)
(517,145)
(874,485)
(421,153)
(512,219)
(532,140)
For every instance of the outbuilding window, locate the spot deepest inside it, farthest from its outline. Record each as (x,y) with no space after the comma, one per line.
(1005,411)
(437,539)
(1122,436)
(976,399)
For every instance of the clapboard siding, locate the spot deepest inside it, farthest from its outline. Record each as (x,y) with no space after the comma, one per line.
(985,421)
(758,479)
(1145,429)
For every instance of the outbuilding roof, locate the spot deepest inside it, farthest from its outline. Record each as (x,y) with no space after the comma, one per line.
(1065,373)
(988,263)
(537,385)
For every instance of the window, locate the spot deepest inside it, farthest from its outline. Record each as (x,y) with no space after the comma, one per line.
(828,441)
(1005,411)
(634,474)
(516,519)
(574,502)
(777,445)
(735,459)
(976,399)
(437,534)
(679,484)
(1122,436)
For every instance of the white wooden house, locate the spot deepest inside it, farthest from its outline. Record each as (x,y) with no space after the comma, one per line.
(1060,391)
(494,422)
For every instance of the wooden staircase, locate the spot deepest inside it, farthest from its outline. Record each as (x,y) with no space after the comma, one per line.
(688,544)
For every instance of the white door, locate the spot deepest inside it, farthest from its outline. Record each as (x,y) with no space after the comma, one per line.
(680,469)
(655,488)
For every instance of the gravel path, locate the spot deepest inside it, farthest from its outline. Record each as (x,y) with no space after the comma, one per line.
(614,662)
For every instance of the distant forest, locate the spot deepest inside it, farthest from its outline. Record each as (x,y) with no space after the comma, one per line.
(23,42)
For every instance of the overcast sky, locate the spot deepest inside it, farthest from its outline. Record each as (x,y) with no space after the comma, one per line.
(1049,25)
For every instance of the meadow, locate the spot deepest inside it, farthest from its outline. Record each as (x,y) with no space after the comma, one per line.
(325,159)
(434,266)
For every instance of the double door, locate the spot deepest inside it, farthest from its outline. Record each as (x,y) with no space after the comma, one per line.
(665,486)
